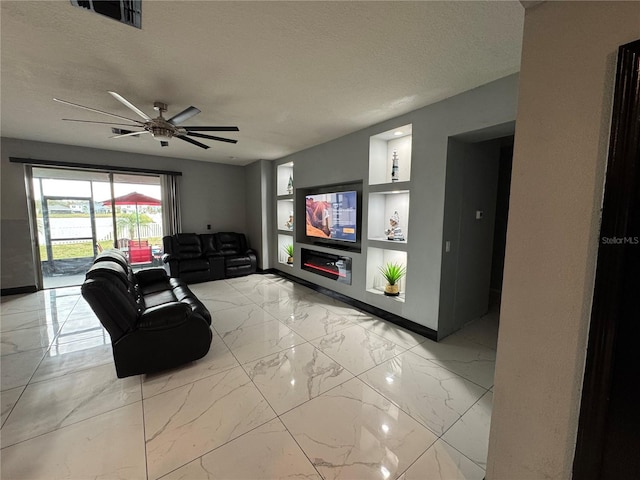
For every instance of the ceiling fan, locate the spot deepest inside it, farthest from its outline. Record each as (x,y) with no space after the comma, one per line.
(160,128)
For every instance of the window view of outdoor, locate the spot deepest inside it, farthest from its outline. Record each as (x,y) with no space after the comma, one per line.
(77,217)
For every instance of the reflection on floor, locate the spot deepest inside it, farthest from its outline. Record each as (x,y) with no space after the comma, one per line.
(59,281)
(295,385)
(70,280)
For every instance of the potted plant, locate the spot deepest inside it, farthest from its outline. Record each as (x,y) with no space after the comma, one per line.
(288,249)
(392,273)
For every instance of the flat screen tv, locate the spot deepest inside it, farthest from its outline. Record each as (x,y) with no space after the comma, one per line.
(332,216)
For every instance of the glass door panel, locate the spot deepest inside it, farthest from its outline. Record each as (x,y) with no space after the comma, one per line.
(138,213)
(69,240)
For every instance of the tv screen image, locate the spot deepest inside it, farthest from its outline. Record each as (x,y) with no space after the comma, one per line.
(332,215)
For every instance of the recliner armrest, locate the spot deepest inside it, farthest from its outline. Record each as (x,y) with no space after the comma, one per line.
(150,275)
(164,316)
(254,258)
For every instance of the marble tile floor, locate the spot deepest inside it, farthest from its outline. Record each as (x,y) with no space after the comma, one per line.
(296,385)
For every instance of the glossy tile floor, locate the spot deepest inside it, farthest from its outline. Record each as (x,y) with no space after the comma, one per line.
(296,385)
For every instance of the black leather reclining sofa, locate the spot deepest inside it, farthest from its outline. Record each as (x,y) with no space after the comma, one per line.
(203,257)
(155,322)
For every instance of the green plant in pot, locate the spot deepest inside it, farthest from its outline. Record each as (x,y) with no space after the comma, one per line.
(392,273)
(288,249)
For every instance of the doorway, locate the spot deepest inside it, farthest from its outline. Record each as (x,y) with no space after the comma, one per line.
(69,240)
(476,209)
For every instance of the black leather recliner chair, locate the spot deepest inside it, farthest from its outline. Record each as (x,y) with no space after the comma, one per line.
(193,257)
(155,322)
(238,258)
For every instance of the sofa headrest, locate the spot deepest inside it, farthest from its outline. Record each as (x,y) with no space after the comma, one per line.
(110,271)
(231,243)
(187,245)
(113,255)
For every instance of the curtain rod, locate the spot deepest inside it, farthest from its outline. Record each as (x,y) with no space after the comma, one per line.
(90,166)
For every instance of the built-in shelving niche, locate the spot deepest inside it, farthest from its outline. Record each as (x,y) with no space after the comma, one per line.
(382,206)
(285,215)
(376,258)
(283,241)
(388,194)
(381,149)
(284,174)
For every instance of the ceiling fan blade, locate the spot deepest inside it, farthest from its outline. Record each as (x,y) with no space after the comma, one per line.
(131,134)
(186,114)
(164,144)
(211,137)
(102,123)
(127,103)
(212,129)
(187,139)
(97,111)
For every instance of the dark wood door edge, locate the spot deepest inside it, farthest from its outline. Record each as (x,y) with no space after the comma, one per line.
(617,253)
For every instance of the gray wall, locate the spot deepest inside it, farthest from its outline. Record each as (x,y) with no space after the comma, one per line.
(210,194)
(471,185)
(346,159)
(257,194)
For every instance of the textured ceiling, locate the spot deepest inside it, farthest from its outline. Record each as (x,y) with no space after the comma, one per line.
(290,74)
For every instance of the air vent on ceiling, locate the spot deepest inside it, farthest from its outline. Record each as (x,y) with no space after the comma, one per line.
(125,11)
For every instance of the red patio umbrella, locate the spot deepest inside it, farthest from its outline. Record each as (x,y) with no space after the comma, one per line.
(134,198)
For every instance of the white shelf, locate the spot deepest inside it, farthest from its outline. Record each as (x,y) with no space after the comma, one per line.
(383,243)
(382,205)
(381,149)
(377,257)
(390,188)
(399,298)
(284,172)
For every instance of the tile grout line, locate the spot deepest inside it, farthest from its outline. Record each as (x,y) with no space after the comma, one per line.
(144,432)
(278,416)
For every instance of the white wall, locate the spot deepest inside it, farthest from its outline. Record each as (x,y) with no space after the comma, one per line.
(347,158)
(210,194)
(562,130)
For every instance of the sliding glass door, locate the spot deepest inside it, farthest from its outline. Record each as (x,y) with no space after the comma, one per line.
(80,213)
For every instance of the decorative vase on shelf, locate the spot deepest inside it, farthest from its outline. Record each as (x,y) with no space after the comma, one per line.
(290,185)
(391,290)
(395,173)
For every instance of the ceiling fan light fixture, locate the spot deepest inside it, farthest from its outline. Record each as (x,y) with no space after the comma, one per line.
(161,134)
(159,128)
